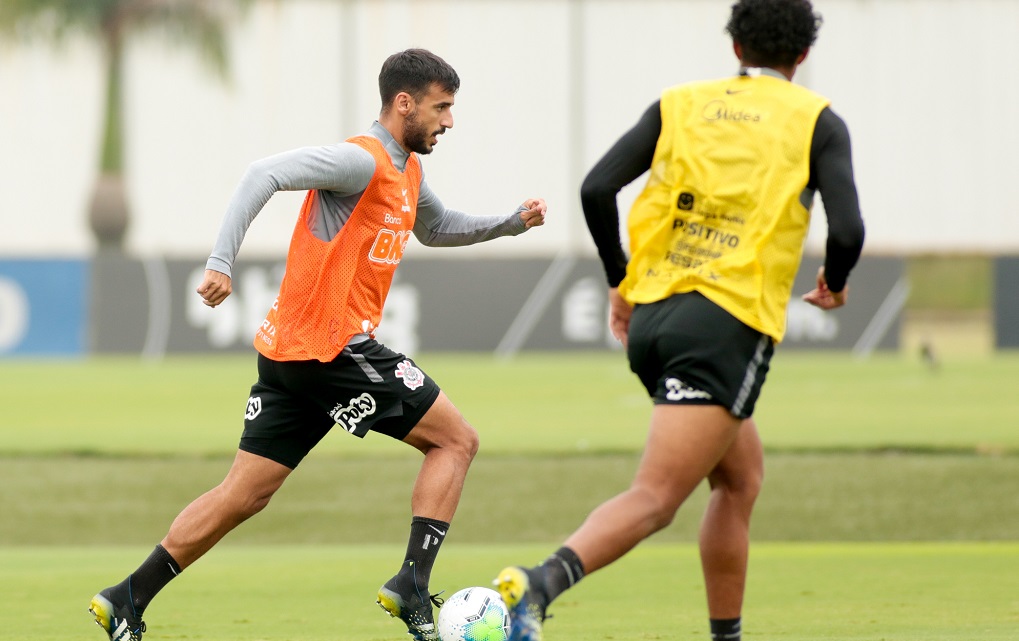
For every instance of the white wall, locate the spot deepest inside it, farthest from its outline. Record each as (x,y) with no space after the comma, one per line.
(927,87)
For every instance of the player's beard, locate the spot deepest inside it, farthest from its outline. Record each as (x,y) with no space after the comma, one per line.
(416,136)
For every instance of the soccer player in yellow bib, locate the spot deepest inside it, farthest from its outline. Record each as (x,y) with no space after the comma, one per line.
(716,239)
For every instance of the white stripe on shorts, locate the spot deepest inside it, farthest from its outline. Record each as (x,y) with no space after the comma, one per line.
(751,375)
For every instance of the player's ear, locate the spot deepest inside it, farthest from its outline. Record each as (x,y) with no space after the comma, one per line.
(403,103)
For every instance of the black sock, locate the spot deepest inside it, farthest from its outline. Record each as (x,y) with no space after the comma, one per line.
(562,570)
(150,577)
(726,629)
(426,536)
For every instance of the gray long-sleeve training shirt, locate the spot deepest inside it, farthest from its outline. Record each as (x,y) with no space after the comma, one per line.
(341,173)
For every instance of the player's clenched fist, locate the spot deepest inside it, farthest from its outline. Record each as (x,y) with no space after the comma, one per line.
(534,212)
(215,288)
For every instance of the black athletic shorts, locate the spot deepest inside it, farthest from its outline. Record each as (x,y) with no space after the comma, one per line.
(687,350)
(368,387)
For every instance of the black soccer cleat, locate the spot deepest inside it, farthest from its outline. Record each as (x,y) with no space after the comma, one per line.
(118,621)
(413,609)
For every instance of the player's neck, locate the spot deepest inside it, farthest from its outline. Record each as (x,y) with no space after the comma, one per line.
(393,123)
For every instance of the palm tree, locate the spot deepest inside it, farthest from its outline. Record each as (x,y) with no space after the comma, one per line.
(197,23)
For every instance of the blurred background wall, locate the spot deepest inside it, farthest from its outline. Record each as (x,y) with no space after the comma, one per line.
(927,87)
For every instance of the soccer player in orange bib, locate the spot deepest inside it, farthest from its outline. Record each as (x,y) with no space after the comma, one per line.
(319,365)
(716,239)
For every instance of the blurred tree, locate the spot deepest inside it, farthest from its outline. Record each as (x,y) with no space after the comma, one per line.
(199,24)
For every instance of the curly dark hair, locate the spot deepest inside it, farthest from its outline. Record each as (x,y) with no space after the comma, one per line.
(773,32)
(415,71)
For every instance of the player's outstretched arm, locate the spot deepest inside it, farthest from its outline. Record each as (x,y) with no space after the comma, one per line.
(437,226)
(215,287)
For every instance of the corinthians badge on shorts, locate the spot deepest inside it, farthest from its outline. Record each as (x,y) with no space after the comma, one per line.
(412,377)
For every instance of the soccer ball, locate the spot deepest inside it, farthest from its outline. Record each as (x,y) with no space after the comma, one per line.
(474,614)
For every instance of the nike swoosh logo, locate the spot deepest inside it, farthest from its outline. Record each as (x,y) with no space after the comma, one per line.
(733,92)
(441,533)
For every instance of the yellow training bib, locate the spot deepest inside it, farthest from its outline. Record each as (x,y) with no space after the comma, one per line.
(726,207)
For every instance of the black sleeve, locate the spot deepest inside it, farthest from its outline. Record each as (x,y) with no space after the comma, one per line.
(628,158)
(831,173)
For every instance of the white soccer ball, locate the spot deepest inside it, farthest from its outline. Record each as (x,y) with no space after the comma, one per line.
(474,614)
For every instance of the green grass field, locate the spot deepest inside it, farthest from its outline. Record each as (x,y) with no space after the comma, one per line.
(796,592)
(889,509)
(577,403)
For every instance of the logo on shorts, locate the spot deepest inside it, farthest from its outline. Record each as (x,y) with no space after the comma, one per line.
(254,407)
(680,391)
(348,417)
(412,376)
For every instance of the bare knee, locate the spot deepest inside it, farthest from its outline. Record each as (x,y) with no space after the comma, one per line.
(742,486)
(749,483)
(248,486)
(663,519)
(242,503)
(445,430)
(457,437)
(466,440)
(659,508)
(255,504)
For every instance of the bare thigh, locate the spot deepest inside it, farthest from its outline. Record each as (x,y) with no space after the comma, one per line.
(685,443)
(442,426)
